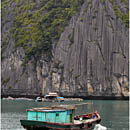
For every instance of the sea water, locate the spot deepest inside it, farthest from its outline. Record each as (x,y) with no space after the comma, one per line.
(114,114)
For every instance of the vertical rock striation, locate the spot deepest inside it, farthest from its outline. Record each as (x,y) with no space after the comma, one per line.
(93,51)
(89,59)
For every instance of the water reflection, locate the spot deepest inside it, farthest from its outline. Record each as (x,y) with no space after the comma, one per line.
(114,114)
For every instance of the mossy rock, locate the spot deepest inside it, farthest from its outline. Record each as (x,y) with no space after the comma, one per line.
(35,31)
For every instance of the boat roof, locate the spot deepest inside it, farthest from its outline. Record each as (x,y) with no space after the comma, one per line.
(53,108)
(50,95)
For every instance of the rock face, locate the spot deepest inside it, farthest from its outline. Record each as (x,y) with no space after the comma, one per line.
(90,58)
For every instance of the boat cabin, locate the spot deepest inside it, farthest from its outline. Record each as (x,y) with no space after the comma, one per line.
(51,96)
(56,114)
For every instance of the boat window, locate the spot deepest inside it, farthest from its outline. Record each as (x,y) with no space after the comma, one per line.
(68,112)
(57,114)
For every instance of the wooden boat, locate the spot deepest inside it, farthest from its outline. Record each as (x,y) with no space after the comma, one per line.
(53,97)
(59,118)
(50,97)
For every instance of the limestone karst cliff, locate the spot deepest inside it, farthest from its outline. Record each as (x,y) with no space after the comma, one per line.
(76,47)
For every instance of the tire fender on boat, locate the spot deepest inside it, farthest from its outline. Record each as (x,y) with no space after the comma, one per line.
(81,125)
(98,121)
(89,124)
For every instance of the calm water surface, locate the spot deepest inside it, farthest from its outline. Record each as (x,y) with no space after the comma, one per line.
(114,114)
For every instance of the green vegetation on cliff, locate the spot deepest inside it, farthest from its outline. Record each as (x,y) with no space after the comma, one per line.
(124,16)
(38,26)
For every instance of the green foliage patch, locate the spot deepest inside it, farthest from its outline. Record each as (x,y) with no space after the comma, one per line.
(36,30)
(123,16)
(5,81)
(88,4)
